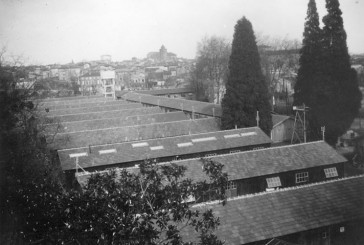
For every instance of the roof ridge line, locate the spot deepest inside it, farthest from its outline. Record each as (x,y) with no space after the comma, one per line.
(165,98)
(113,117)
(134,141)
(93,112)
(129,126)
(101,101)
(108,100)
(281,190)
(198,158)
(243,152)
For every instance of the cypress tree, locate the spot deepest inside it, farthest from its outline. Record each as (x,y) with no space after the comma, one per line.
(341,96)
(246,90)
(310,57)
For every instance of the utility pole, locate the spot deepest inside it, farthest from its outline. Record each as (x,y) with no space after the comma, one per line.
(323,133)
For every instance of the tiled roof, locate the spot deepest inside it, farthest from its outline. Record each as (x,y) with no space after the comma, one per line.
(164,147)
(81,104)
(121,106)
(266,161)
(108,114)
(277,119)
(204,108)
(92,74)
(121,121)
(276,241)
(131,133)
(161,91)
(273,214)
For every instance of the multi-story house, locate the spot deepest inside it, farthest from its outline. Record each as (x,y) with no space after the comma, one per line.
(90,82)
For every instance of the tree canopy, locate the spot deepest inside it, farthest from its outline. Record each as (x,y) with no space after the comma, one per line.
(310,56)
(326,83)
(149,205)
(246,89)
(209,75)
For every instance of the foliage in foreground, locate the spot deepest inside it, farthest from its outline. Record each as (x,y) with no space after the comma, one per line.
(148,206)
(144,207)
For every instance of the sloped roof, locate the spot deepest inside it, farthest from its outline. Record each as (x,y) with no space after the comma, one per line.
(81,104)
(276,241)
(114,135)
(204,108)
(91,74)
(121,121)
(102,108)
(74,99)
(266,161)
(277,119)
(160,91)
(266,215)
(107,114)
(163,147)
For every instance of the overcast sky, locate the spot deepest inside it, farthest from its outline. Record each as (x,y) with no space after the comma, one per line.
(59,31)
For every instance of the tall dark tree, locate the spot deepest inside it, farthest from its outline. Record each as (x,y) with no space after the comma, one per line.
(326,82)
(343,93)
(310,86)
(246,90)
(310,57)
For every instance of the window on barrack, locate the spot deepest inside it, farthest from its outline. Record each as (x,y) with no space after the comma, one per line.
(231,189)
(330,172)
(301,177)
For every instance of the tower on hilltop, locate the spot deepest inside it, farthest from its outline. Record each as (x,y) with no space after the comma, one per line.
(163,53)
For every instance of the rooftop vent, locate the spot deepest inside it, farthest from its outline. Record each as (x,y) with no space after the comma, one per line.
(107,151)
(229,136)
(82,154)
(141,144)
(159,147)
(185,144)
(203,139)
(248,134)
